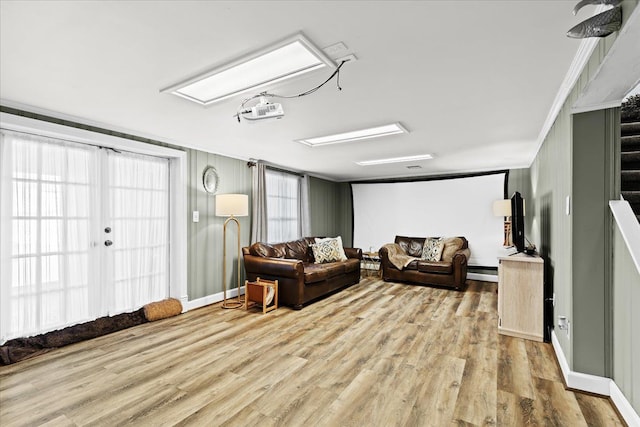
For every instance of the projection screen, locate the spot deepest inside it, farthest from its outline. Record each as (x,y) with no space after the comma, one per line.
(432,208)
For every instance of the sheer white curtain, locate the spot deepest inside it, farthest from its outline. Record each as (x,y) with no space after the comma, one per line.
(138,215)
(57,201)
(283,198)
(47,196)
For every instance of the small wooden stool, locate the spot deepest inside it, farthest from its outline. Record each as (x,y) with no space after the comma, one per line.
(256,293)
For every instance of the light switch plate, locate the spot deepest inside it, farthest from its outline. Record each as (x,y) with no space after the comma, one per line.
(567,205)
(196,216)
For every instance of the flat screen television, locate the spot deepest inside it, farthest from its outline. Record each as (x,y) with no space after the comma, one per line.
(517,221)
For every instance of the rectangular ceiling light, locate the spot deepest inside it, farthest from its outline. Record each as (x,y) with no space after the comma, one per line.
(395,160)
(288,58)
(355,135)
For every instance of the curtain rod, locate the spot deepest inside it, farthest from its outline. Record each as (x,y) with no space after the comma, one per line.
(60,139)
(252,163)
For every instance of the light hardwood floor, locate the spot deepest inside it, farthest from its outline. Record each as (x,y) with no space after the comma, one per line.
(375,354)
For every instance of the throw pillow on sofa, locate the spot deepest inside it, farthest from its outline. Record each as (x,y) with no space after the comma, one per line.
(451,246)
(328,250)
(432,249)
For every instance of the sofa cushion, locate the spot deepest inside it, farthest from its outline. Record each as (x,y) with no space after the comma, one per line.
(266,250)
(451,246)
(351,265)
(432,249)
(328,250)
(413,265)
(411,245)
(299,249)
(318,272)
(442,267)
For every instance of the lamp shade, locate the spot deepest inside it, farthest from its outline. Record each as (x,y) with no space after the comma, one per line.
(502,207)
(232,205)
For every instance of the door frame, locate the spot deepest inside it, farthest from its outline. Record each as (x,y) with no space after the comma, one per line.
(177,183)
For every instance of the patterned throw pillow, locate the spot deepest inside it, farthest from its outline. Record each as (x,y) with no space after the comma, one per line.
(432,249)
(328,250)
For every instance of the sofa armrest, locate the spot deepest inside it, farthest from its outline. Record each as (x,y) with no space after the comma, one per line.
(460,260)
(353,253)
(281,267)
(385,263)
(383,254)
(461,257)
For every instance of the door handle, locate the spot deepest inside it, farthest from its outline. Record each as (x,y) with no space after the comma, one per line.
(108,243)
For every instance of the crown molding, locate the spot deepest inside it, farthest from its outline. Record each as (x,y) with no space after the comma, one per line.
(586,48)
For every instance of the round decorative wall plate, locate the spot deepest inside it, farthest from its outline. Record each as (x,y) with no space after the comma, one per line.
(210,179)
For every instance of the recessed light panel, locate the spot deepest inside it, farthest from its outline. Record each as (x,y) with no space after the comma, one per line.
(356,135)
(291,57)
(395,160)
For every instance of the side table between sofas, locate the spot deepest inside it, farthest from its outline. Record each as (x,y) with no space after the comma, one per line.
(370,264)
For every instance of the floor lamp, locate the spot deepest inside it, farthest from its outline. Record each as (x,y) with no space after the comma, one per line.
(231,206)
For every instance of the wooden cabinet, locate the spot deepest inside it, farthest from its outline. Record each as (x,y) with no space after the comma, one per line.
(521,296)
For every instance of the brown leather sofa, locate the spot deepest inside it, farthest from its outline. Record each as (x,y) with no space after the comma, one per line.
(450,272)
(300,280)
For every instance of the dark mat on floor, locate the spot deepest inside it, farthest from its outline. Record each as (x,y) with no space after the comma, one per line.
(19,349)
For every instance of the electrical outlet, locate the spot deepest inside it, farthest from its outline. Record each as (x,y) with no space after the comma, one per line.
(564,324)
(196,216)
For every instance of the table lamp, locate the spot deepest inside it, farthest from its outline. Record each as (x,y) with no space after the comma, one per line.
(503,208)
(231,206)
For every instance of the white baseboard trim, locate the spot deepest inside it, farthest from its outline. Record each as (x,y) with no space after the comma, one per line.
(562,360)
(210,299)
(483,277)
(184,300)
(578,380)
(595,384)
(623,406)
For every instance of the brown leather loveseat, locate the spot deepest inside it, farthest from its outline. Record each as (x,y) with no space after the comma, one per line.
(300,279)
(450,271)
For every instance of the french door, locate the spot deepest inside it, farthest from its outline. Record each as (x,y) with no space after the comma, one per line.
(84,233)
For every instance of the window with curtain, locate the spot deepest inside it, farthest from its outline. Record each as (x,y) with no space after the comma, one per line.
(138,203)
(83,233)
(46,223)
(283,217)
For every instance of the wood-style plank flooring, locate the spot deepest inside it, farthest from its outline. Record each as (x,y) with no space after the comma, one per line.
(375,354)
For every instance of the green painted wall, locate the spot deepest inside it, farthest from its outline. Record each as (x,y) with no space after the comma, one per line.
(331,209)
(594,137)
(552,230)
(550,227)
(205,238)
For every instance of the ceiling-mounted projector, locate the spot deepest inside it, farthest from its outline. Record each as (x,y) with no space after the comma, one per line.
(264,110)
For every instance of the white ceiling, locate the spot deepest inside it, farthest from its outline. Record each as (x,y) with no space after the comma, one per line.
(473,81)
